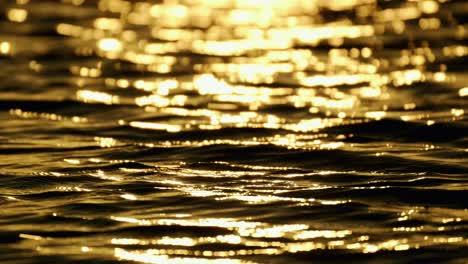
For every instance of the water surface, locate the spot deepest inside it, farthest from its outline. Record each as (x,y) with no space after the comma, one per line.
(222,131)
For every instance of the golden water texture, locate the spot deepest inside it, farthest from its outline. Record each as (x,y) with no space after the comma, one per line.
(233,131)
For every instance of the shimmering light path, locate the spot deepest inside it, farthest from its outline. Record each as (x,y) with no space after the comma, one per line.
(233,131)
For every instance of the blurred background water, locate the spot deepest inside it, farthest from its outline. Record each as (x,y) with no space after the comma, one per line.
(233,131)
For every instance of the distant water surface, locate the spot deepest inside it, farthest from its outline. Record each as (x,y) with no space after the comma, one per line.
(233,131)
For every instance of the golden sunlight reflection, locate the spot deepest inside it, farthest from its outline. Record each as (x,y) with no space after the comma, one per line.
(248,233)
(154,256)
(260,56)
(463,92)
(32,237)
(17,15)
(5,47)
(110,44)
(128,196)
(89,96)
(47,116)
(156,126)
(290,86)
(111,24)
